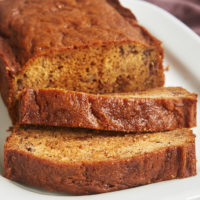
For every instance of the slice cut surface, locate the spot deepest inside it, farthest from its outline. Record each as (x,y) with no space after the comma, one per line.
(93,46)
(82,161)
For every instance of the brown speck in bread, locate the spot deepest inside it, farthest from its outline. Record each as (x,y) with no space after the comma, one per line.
(148,52)
(60,67)
(82,33)
(152,67)
(19,84)
(121,51)
(102,162)
(29,149)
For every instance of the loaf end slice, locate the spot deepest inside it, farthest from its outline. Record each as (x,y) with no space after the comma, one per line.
(86,162)
(158,109)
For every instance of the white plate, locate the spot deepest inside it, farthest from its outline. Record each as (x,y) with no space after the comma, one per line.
(182,53)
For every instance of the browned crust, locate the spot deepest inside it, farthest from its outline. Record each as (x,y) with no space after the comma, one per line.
(125,12)
(8,54)
(131,18)
(8,69)
(56,107)
(24,48)
(99,177)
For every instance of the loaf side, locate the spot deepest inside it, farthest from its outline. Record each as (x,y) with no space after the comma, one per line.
(158,109)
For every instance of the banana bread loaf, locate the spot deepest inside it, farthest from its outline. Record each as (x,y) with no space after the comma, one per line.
(85,162)
(158,109)
(93,46)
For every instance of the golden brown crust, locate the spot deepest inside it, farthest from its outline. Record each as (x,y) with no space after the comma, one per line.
(67,24)
(125,12)
(8,69)
(88,178)
(27,39)
(158,109)
(27,43)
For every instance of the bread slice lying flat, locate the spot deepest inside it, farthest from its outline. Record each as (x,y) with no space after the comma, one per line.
(85,162)
(93,46)
(153,110)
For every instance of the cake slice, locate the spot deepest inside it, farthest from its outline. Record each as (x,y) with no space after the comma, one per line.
(85,162)
(158,109)
(93,46)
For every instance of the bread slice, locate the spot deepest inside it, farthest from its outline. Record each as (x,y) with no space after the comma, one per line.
(157,109)
(85,162)
(93,46)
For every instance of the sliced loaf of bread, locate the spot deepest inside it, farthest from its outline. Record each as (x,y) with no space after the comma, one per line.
(85,162)
(157,109)
(93,46)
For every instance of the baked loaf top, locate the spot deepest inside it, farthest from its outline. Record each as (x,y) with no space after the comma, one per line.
(82,161)
(93,46)
(35,27)
(158,109)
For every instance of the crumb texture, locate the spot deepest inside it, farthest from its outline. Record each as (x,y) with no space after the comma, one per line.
(93,46)
(85,162)
(76,145)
